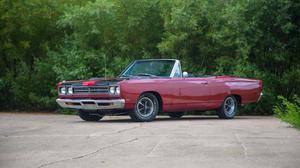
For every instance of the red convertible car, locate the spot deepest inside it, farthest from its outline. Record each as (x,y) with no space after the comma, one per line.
(148,87)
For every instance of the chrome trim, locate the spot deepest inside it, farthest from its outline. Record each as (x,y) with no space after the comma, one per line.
(260,96)
(176,64)
(90,104)
(127,68)
(175,67)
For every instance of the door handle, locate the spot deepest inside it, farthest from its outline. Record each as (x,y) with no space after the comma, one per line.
(203,82)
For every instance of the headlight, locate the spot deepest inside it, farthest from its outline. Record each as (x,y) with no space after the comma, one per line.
(70,90)
(118,90)
(112,90)
(63,90)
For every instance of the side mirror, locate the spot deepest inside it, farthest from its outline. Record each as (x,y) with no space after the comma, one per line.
(185,74)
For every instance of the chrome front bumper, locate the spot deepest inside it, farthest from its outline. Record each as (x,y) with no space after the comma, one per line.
(90,104)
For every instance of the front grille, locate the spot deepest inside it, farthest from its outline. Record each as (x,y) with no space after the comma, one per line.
(90,90)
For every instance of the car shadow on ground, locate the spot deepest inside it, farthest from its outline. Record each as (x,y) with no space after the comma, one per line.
(111,119)
(162,119)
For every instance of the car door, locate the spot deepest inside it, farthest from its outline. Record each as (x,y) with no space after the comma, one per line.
(195,93)
(172,98)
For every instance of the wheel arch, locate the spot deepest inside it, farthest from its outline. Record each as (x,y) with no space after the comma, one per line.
(237,97)
(158,96)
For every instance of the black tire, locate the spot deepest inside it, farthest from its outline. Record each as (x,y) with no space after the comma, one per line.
(176,115)
(86,116)
(140,113)
(228,110)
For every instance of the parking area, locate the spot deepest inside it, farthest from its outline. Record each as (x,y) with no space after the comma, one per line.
(49,140)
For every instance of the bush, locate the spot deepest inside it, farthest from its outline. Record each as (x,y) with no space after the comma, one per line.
(289,111)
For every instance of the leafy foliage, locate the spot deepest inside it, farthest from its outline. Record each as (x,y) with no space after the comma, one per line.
(44,42)
(289,111)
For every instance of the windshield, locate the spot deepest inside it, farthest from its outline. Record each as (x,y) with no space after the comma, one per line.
(161,68)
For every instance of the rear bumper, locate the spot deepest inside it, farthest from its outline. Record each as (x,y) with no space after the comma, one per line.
(90,104)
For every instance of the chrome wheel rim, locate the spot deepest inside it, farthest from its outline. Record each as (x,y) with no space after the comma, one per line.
(229,106)
(145,107)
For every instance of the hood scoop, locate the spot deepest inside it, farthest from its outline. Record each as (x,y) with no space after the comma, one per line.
(89,83)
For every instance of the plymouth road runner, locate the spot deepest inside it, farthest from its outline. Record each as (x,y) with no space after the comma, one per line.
(148,87)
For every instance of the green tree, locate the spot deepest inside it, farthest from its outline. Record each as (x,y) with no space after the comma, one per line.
(44,42)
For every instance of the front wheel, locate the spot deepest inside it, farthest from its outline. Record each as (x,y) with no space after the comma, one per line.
(228,109)
(89,116)
(146,108)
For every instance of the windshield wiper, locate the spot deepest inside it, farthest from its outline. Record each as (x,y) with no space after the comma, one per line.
(139,74)
(125,75)
(146,74)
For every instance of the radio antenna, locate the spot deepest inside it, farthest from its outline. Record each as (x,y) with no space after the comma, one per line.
(105,66)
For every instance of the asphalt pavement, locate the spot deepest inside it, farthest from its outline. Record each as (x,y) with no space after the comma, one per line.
(51,141)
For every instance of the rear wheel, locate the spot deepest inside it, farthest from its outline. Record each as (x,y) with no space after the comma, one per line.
(90,116)
(228,109)
(146,108)
(176,115)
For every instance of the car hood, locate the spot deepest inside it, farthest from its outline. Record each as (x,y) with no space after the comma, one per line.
(102,81)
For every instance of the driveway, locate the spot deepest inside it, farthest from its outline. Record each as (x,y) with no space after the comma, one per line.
(49,140)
